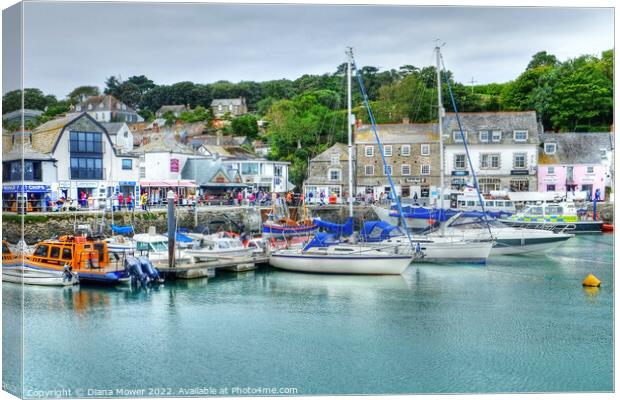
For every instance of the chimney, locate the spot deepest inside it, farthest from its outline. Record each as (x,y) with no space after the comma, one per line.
(155,127)
(406,120)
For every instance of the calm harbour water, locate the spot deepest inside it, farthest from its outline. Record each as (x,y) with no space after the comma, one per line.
(518,324)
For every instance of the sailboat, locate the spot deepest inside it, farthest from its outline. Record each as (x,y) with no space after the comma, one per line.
(435,249)
(327,253)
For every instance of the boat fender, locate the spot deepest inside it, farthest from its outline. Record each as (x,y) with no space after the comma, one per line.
(148,269)
(591,281)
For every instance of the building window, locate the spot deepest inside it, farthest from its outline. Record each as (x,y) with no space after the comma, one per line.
(335,190)
(604,154)
(12,171)
(387,150)
(425,149)
(335,159)
(519,161)
(489,161)
(484,136)
(457,137)
(459,161)
(249,169)
(405,169)
(487,185)
(590,170)
(520,136)
(86,149)
(369,170)
(550,188)
(387,169)
(550,170)
(127,163)
(90,107)
(277,170)
(334,175)
(405,150)
(519,185)
(496,136)
(550,148)
(425,169)
(369,151)
(78,108)
(142,172)
(86,168)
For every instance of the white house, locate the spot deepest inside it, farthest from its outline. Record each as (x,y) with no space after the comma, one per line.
(108,109)
(87,159)
(262,174)
(503,147)
(122,137)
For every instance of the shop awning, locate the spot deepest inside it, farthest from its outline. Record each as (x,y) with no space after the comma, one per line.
(168,183)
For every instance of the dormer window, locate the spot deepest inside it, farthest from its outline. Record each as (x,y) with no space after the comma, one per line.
(496,136)
(484,136)
(520,136)
(457,137)
(118,106)
(123,106)
(550,148)
(604,154)
(90,106)
(335,158)
(101,105)
(78,108)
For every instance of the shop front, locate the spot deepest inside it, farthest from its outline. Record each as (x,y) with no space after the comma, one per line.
(157,190)
(25,198)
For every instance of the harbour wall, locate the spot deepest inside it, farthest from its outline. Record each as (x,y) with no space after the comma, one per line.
(40,226)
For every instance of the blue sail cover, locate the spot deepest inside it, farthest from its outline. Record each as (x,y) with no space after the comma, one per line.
(122,230)
(181,238)
(345,229)
(442,215)
(322,239)
(376,231)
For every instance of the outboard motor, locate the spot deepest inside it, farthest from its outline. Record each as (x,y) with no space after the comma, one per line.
(134,268)
(148,269)
(67,275)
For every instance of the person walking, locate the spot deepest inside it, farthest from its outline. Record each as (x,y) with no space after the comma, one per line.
(120,201)
(129,202)
(144,199)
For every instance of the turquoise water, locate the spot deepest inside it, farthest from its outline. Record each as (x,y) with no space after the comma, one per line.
(519,324)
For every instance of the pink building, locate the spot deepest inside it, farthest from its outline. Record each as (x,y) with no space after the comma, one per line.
(574,162)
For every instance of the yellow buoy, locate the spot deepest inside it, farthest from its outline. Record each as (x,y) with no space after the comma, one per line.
(591,280)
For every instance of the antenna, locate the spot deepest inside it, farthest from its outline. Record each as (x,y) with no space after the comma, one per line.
(472,81)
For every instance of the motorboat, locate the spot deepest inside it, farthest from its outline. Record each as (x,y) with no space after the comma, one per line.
(155,247)
(556,217)
(87,258)
(217,245)
(508,240)
(14,271)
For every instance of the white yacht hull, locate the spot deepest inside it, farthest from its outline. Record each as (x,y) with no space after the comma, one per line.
(442,249)
(220,253)
(29,276)
(359,264)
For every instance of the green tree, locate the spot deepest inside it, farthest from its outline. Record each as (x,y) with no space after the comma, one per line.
(81,93)
(542,59)
(245,125)
(33,99)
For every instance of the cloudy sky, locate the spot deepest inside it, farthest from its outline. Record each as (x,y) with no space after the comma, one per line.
(72,44)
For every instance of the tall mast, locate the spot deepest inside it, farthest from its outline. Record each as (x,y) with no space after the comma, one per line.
(440,114)
(349,130)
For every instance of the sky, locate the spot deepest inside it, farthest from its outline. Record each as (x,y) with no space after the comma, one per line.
(71,44)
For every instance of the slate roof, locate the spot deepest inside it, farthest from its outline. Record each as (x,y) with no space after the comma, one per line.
(173,108)
(575,147)
(228,102)
(109,104)
(112,127)
(25,152)
(335,149)
(27,112)
(53,128)
(506,121)
(204,170)
(164,143)
(397,133)
(211,140)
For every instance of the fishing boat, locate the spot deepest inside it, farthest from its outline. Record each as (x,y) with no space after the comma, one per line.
(556,217)
(89,259)
(329,253)
(279,224)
